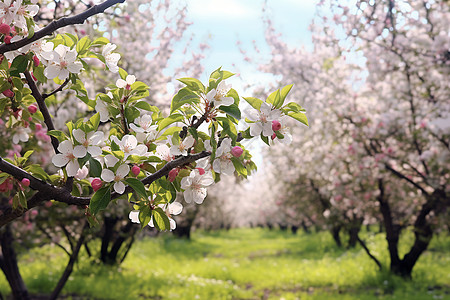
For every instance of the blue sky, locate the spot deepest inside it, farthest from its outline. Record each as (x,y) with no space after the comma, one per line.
(223,23)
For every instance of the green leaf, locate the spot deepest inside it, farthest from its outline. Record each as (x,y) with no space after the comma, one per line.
(292,106)
(28,154)
(184,96)
(74,38)
(169,120)
(145,215)
(95,168)
(95,120)
(240,168)
(274,97)
(38,72)
(160,219)
(83,45)
(284,92)
(254,102)
(131,113)
(137,186)
(265,139)
(22,199)
(193,84)
(38,172)
(30,27)
(100,200)
(100,42)
(123,74)
(301,117)
(61,136)
(144,105)
(232,110)
(19,65)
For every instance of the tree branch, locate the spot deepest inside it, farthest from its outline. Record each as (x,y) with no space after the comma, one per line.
(55,25)
(48,192)
(42,107)
(59,89)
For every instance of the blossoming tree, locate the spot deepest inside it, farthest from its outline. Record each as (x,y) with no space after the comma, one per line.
(126,149)
(377,86)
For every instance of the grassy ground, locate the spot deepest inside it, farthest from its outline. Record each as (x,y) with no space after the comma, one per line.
(244,264)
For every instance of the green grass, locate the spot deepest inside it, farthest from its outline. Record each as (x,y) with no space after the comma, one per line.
(244,264)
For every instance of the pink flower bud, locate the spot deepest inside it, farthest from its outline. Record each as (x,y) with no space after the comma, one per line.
(38,126)
(34,212)
(36,61)
(34,77)
(25,182)
(96,184)
(5,29)
(173,174)
(276,125)
(274,136)
(201,171)
(7,39)
(135,170)
(32,109)
(8,93)
(237,151)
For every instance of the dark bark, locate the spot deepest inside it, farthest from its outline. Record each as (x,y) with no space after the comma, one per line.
(283,227)
(107,236)
(116,237)
(9,266)
(294,229)
(361,242)
(335,230)
(126,233)
(305,228)
(353,231)
(423,232)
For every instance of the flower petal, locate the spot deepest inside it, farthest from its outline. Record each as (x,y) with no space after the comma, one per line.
(79,151)
(107,175)
(79,135)
(123,171)
(60,160)
(119,187)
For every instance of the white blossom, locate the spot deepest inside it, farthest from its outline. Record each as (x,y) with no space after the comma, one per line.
(63,62)
(89,140)
(194,186)
(68,156)
(223,163)
(111,59)
(182,147)
(262,119)
(219,95)
(109,176)
(120,83)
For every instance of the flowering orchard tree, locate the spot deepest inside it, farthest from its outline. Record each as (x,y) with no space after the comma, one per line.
(377,92)
(126,149)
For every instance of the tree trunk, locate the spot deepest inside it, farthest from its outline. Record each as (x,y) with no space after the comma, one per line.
(353,231)
(423,231)
(9,266)
(294,229)
(126,232)
(335,230)
(107,236)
